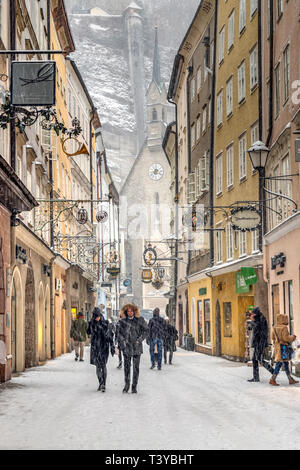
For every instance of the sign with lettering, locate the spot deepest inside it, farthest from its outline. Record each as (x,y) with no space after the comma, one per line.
(250,276)
(245,218)
(241,286)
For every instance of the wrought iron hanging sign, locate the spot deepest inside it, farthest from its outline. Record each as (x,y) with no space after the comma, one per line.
(82,216)
(33,83)
(245,219)
(146,276)
(102,216)
(150,256)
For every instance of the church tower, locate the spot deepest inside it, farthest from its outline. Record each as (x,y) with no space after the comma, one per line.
(134,28)
(158,108)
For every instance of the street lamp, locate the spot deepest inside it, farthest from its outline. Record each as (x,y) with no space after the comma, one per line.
(258,154)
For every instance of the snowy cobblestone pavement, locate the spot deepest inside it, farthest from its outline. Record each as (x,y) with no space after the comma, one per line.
(199,403)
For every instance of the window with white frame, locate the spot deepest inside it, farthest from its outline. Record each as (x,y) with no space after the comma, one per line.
(219,245)
(286,62)
(193,89)
(254,134)
(243,157)
(242,81)
(205,73)
(221,44)
(231,30)
(191,188)
(212,51)
(203,172)
(204,116)
(277,90)
(209,112)
(279,8)
(229,241)
(193,135)
(255,241)
(242,15)
(229,97)
(198,132)
(230,166)
(253,68)
(253,6)
(220,108)
(243,243)
(199,79)
(219,174)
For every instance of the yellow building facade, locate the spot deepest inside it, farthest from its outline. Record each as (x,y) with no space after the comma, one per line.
(235,183)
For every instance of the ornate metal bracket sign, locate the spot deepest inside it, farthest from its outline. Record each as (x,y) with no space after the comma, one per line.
(245,219)
(33,83)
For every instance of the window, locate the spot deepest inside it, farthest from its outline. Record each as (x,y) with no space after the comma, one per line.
(193,135)
(243,157)
(220,108)
(227,319)
(154,114)
(204,180)
(199,79)
(198,132)
(219,253)
(242,82)
(277,90)
(279,8)
(221,44)
(191,188)
(230,167)
(255,241)
(209,112)
(242,15)
(243,243)
(254,134)
(200,322)
(205,65)
(204,119)
(229,242)
(193,89)
(253,68)
(219,174)
(286,60)
(231,31)
(229,97)
(212,51)
(207,329)
(253,7)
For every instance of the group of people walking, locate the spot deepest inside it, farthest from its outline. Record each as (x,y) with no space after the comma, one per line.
(282,341)
(126,340)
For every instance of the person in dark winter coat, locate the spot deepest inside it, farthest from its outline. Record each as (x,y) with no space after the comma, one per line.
(118,342)
(259,342)
(78,334)
(171,335)
(156,337)
(133,329)
(101,342)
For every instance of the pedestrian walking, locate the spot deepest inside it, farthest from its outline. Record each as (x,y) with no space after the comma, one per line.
(170,338)
(156,337)
(78,334)
(282,349)
(133,329)
(101,342)
(259,342)
(118,342)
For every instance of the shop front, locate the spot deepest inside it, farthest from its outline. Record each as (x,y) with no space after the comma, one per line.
(201,314)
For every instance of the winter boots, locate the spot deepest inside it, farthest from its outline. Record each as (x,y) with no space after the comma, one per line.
(133,389)
(253,380)
(126,388)
(292,381)
(273,381)
(119,366)
(76,357)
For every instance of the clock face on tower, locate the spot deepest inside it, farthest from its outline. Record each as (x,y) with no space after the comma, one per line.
(156,172)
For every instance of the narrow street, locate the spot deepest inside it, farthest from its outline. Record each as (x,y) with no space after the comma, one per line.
(199,403)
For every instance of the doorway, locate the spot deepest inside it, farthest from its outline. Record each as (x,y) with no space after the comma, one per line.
(218,330)
(180,326)
(30,334)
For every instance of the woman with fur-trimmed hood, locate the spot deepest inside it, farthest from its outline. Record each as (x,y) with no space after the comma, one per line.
(133,329)
(281,337)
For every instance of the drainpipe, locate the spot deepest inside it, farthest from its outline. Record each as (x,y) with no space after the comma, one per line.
(91,162)
(12,19)
(188,101)
(212,142)
(52,309)
(271,74)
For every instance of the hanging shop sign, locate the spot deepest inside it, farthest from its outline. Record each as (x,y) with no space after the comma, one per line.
(202,291)
(72,147)
(150,256)
(127,283)
(33,83)
(113,257)
(82,216)
(245,219)
(249,275)
(101,217)
(297,150)
(241,286)
(113,271)
(157,283)
(147,276)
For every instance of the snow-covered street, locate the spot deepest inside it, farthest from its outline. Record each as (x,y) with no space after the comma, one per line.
(198,403)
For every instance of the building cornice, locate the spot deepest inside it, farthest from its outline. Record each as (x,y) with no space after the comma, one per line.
(282,230)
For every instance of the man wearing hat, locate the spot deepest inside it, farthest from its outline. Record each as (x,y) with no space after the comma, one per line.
(78,334)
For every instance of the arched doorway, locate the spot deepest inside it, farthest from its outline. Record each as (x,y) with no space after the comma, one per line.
(47,325)
(16,323)
(41,324)
(30,331)
(218,330)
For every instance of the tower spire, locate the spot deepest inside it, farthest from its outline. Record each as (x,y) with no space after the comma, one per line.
(156,77)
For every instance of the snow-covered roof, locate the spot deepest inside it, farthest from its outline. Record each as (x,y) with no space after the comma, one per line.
(96,11)
(134,6)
